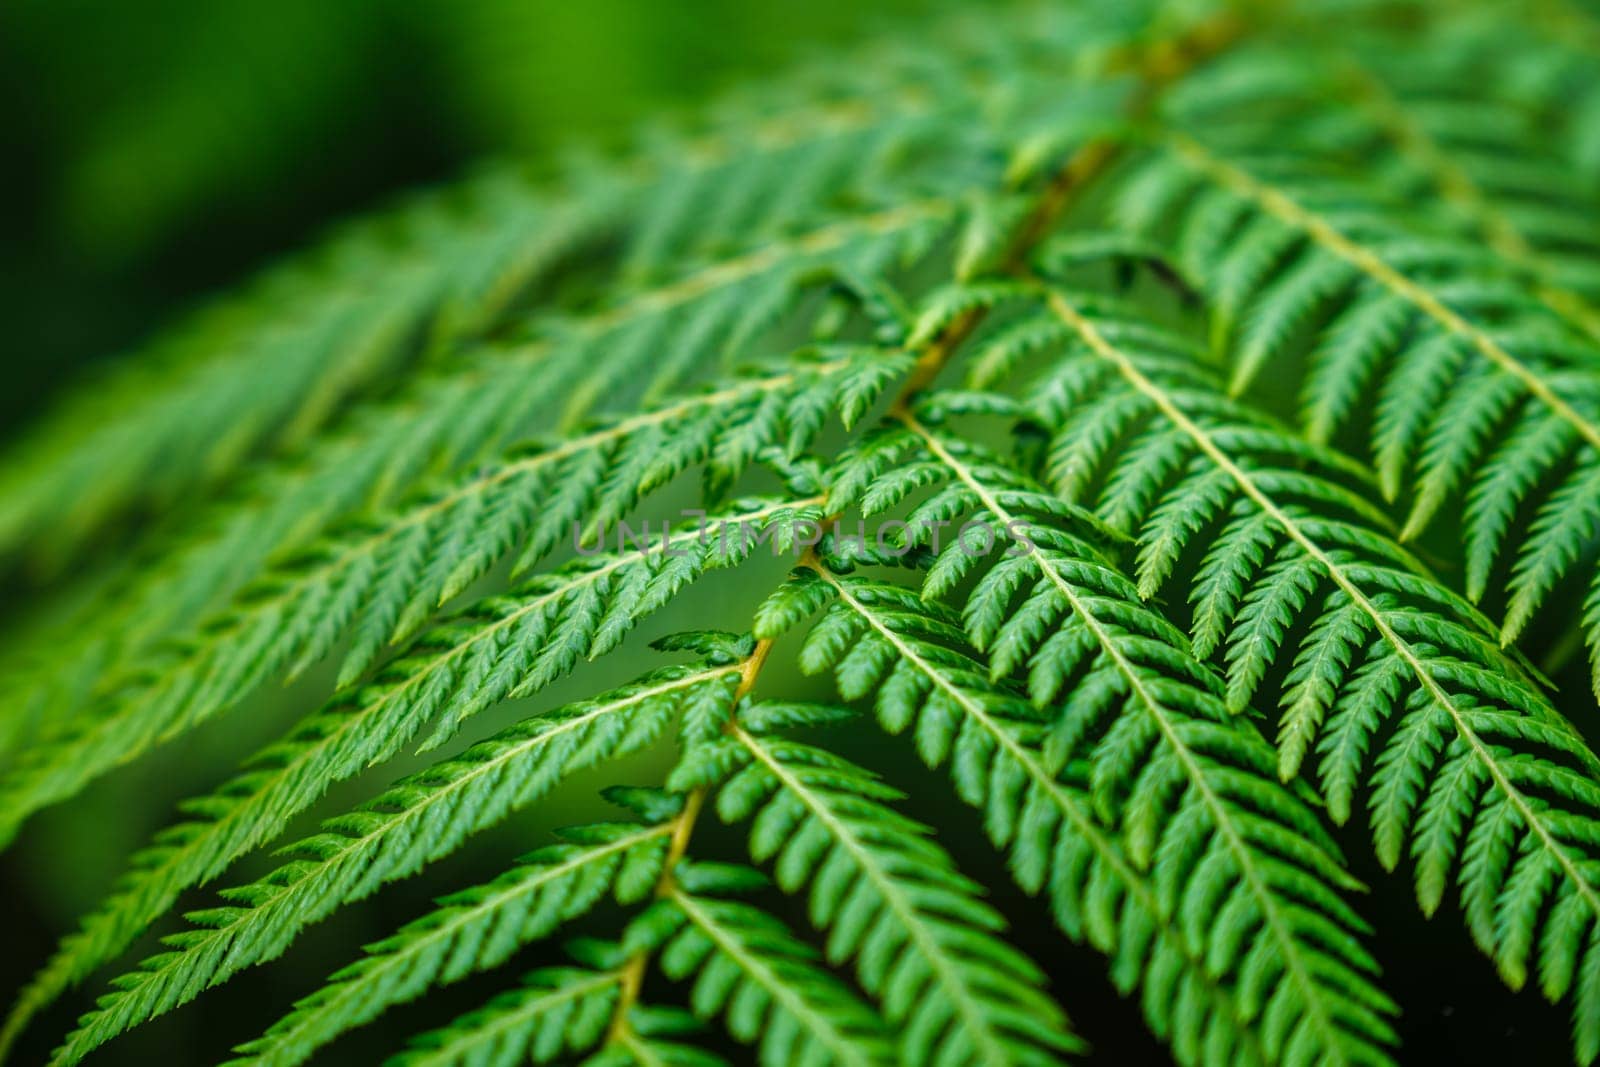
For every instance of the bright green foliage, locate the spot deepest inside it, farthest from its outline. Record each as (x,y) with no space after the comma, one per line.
(1459,342)
(1478,780)
(888,897)
(748,966)
(372,724)
(473,930)
(379,586)
(747,219)
(1239,308)
(1183,781)
(555,1009)
(420,818)
(1044,817)
(368,304)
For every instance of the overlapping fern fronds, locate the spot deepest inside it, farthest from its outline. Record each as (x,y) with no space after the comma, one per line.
(1239,309)
(1395,683)
(1460,343)
(1136,738)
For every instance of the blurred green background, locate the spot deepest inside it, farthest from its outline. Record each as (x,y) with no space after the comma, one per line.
(159,150)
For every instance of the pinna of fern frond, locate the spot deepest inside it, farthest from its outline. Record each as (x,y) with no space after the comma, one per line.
(472,930)
(381,578)
(505,646)
(462,430)
(863,194)
(889,898)
(264,373)
(419,819)
(1414,131)
(772,988)
(910,659)
(1396,685)
(1126,702)
(1477,391)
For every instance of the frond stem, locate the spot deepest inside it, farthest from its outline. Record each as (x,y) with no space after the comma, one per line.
(682,829)
(1157,65)
(846,1052)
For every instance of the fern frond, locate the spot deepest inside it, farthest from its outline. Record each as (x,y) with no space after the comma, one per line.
(1472,163)
(1166,763)
(420,819)
(1456,355)
(556,1011)
(1477,777)
(1076,626)
(1493,170)
(490,653)
(746,965)
(1045,818)
(268,369)
(431,460)
(472,930)
(890,899)
(1543,66)
(841,206)
(384,578)
(416,286)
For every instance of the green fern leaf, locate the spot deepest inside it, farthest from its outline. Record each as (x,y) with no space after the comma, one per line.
(1124,695)
(556,1011)
(447,676)
(1140,234)
(1421,658)
(420,819)
(770,986)
(472,930)
(1458,352)
(1045,818)
(381,583)
(891,901)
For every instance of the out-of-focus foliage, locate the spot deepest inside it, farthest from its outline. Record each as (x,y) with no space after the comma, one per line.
(161,108)
(160,148)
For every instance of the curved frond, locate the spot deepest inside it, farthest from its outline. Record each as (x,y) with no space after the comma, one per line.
(1478,390)
(1044,816)
(418,820)
(890,899)
(746,965)
(380,580)
(556,1011)
(451,458)
(1395,683)
(427,284)
(1154,636)
(266,370)
(507,646)
(473,930)
(1132,734)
